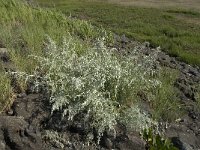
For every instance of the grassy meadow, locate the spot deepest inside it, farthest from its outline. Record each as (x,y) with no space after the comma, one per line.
(174,27)
(23,30)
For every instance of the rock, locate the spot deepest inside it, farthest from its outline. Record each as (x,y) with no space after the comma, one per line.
(1,45)
(2,145)
(107,143)
(3,50)
(180,144)
(193,114)
(10,112)
(122,139)
(193,71)
(5,59)
(117,38)
(124,39)
(182,136)
(184,86)
(4,55)
(134,143)
(147,44)
(21,95)
(16,134)
(77,127)
(164,59)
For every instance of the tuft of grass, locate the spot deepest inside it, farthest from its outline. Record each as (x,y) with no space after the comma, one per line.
(5,91)
(197,97)
(24,28)
(161,26)
(166,104)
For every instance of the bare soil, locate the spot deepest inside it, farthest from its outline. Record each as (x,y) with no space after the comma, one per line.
(187,4)
(188,19)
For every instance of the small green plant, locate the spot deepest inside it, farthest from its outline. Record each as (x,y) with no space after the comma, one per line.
(156,142)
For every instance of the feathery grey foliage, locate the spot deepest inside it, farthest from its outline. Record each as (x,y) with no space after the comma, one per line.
(96,83)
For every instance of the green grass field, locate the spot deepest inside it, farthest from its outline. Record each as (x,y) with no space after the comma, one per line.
(176,30)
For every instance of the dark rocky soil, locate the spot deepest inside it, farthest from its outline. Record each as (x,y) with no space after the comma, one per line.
(23,126)
(185,134)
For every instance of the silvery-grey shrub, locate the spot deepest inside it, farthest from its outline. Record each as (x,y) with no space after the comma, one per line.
(98,82)
(136,120)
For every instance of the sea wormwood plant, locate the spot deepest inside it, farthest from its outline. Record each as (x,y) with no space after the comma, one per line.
(97,83)
(136,120)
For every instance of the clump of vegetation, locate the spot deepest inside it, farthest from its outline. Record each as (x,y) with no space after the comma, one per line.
(23,31)
(156,142)
(166,104)
(97,83)
(24,28)
(136,120)
(5,92)
(55,138)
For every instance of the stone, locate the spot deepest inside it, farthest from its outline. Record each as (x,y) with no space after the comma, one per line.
(21,95)
(147,44)
(4,55)
(185,88)
(107,143)
(180,144)
(193,71)
(3,50)
(16,135)
(10,112)
(124,39)
(193,114)
(2,145)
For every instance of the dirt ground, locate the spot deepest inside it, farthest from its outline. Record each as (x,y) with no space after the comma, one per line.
(186,4)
